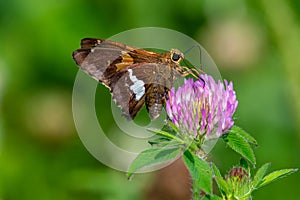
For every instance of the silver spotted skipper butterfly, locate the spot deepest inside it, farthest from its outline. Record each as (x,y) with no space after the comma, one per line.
(134,76)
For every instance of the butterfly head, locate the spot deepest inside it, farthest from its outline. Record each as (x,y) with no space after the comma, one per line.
(176,56)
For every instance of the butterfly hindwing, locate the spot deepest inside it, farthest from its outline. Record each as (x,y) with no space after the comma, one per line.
(129,87)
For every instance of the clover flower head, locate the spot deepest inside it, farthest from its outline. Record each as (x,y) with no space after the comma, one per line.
(202,107)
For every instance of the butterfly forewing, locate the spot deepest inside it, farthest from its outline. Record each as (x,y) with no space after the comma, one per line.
(134,76)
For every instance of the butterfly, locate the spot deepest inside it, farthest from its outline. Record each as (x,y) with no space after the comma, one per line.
(134,76)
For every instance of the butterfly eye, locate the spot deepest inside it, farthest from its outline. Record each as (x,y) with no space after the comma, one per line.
(176,57)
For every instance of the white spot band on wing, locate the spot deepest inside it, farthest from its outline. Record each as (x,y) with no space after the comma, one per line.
(137,87)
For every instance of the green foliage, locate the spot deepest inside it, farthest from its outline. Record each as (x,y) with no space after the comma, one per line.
(239,131)
(261,172)
(169,134)
(200,171)
(222,184)
(239,140)
(153,156)
(275,176)
(239,185)
(211,197)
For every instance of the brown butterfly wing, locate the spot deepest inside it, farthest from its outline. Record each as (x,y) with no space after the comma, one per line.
(134,76)
(102,59)
(130,87)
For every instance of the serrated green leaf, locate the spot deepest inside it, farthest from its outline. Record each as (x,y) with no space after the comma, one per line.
(200,172)
(276,175)
(261,172)
(239,145)
(153,156)
(244,134)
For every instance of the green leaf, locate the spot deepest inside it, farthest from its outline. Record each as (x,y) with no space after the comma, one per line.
(153,156)
(161,132)
(215,170)
(165,134)
(173,126)
(239,145)
(162,142)
(200,171)
(261,172)
(244,163)
(211,197)
(159,141)
(244,134)
(222,184)
(276,175)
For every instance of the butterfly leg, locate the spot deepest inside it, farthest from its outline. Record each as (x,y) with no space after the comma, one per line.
(194,72)
(191,71)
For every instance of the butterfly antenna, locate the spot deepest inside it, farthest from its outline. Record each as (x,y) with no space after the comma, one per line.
(200,53)
(195,72)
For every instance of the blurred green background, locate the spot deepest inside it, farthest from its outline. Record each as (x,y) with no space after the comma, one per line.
(256,44)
